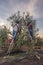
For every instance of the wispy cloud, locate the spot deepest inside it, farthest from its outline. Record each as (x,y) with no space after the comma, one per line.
(35,7)
(7,7)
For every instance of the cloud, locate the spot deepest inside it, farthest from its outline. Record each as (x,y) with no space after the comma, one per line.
(1,22)
(8,7)
(31,7)
(40,23)
(41,36)
(5,22)
(35,7)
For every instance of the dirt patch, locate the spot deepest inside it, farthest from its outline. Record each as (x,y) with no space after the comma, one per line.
(21,59)
(27,60)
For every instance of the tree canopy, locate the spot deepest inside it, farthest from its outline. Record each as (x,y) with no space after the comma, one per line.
(23,36)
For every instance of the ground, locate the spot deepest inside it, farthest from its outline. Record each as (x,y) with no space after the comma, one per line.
(21,59)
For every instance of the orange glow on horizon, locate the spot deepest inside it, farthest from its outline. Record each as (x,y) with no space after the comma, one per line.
(40,35)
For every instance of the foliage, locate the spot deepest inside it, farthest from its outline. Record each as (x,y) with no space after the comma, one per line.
(23,37)
(39,42)
(4,36)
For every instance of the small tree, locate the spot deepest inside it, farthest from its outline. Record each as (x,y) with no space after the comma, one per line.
(39,42)
(4,36)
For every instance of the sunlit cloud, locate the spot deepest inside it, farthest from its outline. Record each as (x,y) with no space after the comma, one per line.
(35,7)
(4,22)
(41,36)
(1,22)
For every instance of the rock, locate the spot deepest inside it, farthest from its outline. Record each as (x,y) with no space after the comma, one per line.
(38,57)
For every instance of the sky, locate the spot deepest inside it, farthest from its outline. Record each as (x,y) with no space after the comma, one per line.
(35,7)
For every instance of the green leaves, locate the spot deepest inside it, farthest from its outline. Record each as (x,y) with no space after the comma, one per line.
(23,37)
(3,36)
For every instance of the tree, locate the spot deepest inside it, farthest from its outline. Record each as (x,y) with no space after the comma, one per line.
(23,36)
(39,42)
(4,36)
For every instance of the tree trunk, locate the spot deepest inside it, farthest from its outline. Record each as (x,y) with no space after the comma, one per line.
(11,46)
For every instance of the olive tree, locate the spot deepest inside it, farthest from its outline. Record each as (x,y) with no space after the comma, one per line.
(23,35)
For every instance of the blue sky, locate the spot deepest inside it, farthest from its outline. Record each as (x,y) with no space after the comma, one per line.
(35,7)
